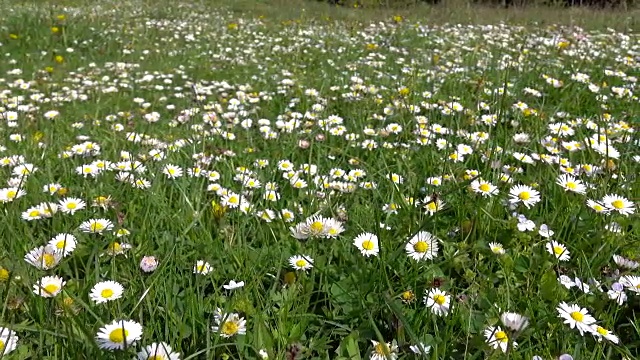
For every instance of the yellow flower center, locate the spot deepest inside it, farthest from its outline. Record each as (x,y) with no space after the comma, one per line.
(421,247)
(572,185)
(558,250)
(106,293)
(156,357)
(484,187)
(301,263)
(60,244)
(229,328)
(34,213)
(602,331)
(577,316)
(618,204)
(502,336)
(381,349)
(432,206)
(4,276)
(96,226)
(598,208)
(115,247)
(71,206)
(525,195)
(316,226)
(48,260)
(439,299)
(368,245)
(118,335)
(11,194)
(1,345)
(407,295)
(51,288)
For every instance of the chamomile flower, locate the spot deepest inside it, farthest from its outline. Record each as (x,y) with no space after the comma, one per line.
(96,226)
(232,285)
(71,205)
(558,250)
(8,341)
(631,282)
(301,262)
(384,351)
(158,351)
(432,205)
(514,321)
(172,171)
(496,248)
(438,301)
(597,207)
(367,243)
(105,291)
(570,183)
(576,317)
(48,286)
(601,333)
(229,325)
(618,203)
(497,338)
(625,263)
(63,243)
(202,267)
(484,188)
(118,335)
(524,194)
(422,246)
(43,257)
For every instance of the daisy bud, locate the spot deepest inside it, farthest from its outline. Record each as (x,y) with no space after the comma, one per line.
(303,144)
(148,264)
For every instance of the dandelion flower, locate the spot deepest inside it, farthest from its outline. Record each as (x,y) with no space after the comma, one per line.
(229,325)
(438,301)
(158,351)
(301,262)
(119,335)
(576,317)
(367,243)
(422,246)
(48,286)
(106,291)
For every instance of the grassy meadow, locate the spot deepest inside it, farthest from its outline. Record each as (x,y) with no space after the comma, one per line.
(289,180)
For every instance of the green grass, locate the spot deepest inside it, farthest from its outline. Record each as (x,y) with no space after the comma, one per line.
(351,78)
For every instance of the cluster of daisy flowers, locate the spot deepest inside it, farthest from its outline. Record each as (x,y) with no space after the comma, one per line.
(222,140)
